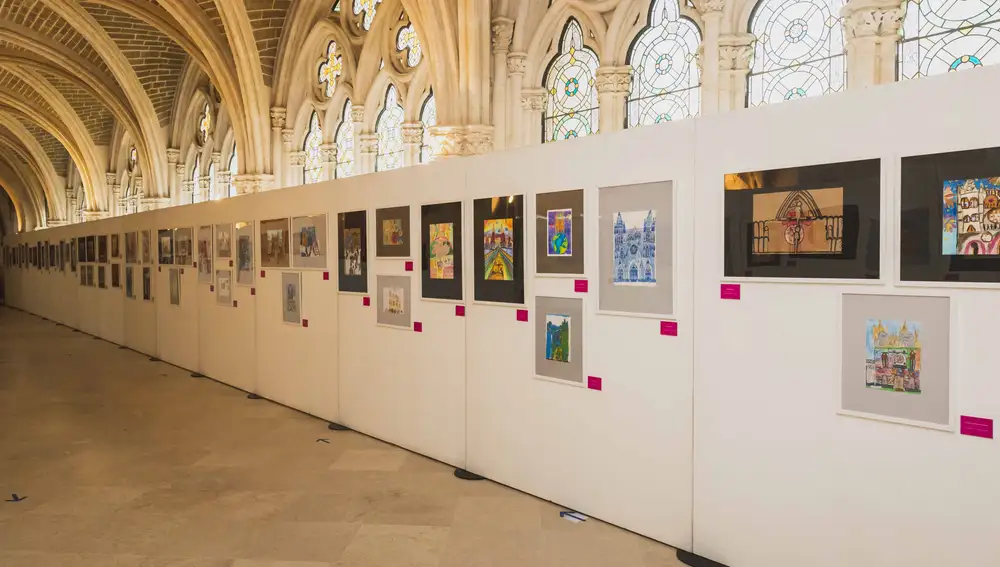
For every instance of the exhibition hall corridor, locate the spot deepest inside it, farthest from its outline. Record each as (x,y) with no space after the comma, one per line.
(124,462)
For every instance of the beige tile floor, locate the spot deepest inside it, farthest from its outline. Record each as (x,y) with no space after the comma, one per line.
(129,463)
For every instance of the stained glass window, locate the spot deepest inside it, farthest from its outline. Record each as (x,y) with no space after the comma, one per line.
(336,7)
(330,69)
(665,76)
(234,169)
(345,144)
(939,37)
(205,124)
(195,179)
(389,129)
(428,117)
(798,50)
(408,41)
(570,80)
(368,7)
(133,159)
(314,139)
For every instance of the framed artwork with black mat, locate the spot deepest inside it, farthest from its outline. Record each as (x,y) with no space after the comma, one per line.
(498,237)
(352,251)
(441,251)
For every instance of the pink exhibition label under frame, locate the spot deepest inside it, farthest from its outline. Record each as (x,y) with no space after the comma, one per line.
(594,383)
(977,426)
(408,266)
(580,286)
(522,315)
(668,328)
(730,291)
(459,311)
(366,301)
(418,327)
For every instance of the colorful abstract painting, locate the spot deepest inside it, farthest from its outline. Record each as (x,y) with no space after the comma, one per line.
(970,223)
(498,249)
(560,232)
(634,248)
(892,355)
(394,301)
(308,242)
(799,222)
(441,256)
(557,337)
(352,251)
(392,232)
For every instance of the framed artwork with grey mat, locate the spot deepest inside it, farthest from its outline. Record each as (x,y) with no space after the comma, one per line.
(244,253)
(183,247)
(309,249)
(224,287)
(895,359)
(274,243)
(636,235)
(441,251)
(224,240)
(175,286)
(559,339)
(102,249)
(352,257)
(291,297)
(205,254)
(394,301)
(165,238)
(559,233)
(392,232)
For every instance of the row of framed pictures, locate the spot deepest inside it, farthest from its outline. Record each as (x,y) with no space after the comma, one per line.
(97,277)
(823,221)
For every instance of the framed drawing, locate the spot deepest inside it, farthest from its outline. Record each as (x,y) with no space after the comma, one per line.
(394,305)
(310,248)
(90,275)
(166,244)
(441,251)
(91,248)
(147,283)
(83,275)
(129,282)
(244,253)
(950,217)
(183,248)
(115,246)
(291,297)
(224,287)
(895,359)
(392,232)
(274,243)
(102,249)
(102,279)
(131,247)
(498,236)
(352,253)
(175,286)
(636,233)
(205,254)
(559,231)
(116,275)
(224,240)
(817,221)
(147,247)
(559,339)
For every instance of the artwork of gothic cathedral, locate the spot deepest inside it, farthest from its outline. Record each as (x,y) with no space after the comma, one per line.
(635,248)
(799,222)
(971,217)
(893,356)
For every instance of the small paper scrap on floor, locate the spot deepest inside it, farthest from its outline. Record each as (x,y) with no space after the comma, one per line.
(574,517)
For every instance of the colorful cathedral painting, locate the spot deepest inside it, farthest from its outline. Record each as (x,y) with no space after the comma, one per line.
(557,337)
(498,249)
(893,356)
(799,222)
(970,217)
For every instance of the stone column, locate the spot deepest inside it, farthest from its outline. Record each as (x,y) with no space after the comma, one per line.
(533,104)
(224,183)
(296,168)
(185,194)
(114,188)
(612,90)
(174,173)
(217,162)
(247,184)
(277,140)
(515,112)
(708,53)
(328,156)
(286,145)
(502,32)
(413,136)
(734,65)
(71,205)
(364,152)
(362,164)
(872,31)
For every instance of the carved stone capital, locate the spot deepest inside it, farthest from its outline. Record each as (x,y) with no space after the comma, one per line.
(111,178)
(872,19)
(286,136)
(413,133)
(735,51)
(357,113)
(252,183)
(709,6)
(368,143)
(180,169)
(502,31)
(217,159)
(447,141)
(297,158)
(277,117)
(95,215)
(153,203)
(187,185)
(115,188)
(173,155)
(479,140)
(328,153)
(57,222)
(204,183)
(534,99)
(614,79)
(137,184)
(515,63)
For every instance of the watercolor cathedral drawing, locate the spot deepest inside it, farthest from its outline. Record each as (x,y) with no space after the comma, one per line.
(971,217)
(893,356)
(635,248)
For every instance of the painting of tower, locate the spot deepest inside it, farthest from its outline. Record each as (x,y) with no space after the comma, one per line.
(634,248)
(970,217)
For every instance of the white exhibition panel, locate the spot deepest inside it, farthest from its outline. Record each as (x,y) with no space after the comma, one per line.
(780,477)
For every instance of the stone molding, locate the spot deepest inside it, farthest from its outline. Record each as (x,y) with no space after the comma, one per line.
(534,99)
(735,51)
(868,20)
(277,117)
(413,133)
(502,31)
(327,153)
(515,63)
(286,135)
(357,113)
(297,158)
(252,183)
(614,79)
(367,143)
(173,155)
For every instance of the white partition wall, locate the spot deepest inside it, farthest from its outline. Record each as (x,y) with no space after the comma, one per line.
(725,439)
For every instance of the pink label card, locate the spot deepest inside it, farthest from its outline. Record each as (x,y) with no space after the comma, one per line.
(580,286)
(408,266)
(418,327)
(366,301)
(977,426)
(730,291)
(235,303)
(522,315)
(230,263)
(326,276)
(594,383)
(262,273)
(211,288)
(195,265)
(182,271)
(305,322)
(668,328)
(459,311)
(159,268)
(253,291)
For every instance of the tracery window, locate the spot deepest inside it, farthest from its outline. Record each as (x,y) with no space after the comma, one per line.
(665,76)
(205,124)
(195,180)
(368,7)
(428,117)
(345,144)
(798,50)
(571,110)
(939,37)
(314,139)
(389,129)
(234,169)
(133,159)
(330,69)
(336,7)
(407,40)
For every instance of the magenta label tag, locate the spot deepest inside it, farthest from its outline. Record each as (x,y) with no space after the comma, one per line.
(196,264)
(668,328)
(305,322)
(211,288)
(326,276)
(977,426)
(418,327)
(230,263)
(594,383)
(253,291)
(580,286)
(522,315)
(730,291)
(262,273)
(235,303)
(459,311)
(366,301)
(408,266)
